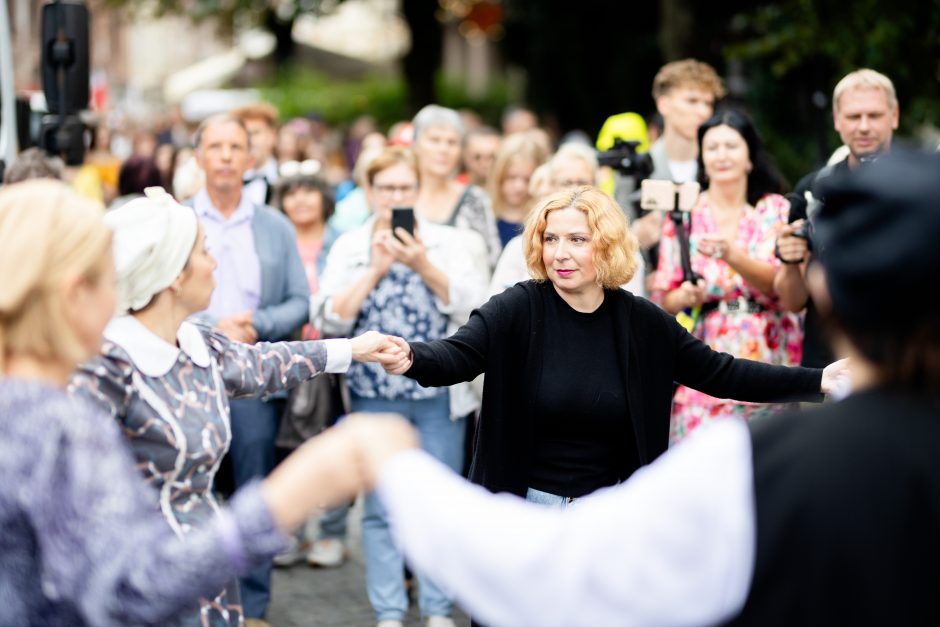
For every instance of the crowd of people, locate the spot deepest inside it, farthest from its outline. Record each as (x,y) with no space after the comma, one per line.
(176,379)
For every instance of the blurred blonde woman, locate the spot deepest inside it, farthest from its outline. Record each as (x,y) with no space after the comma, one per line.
(84,541)
(517,159)
(573,165)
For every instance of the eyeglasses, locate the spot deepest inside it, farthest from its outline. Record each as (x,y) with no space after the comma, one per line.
(308,167)
(481,156)
(389,190)
(572,182)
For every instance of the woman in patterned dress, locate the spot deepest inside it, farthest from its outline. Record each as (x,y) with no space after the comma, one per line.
(81,539)
(732,249)
(167,380)
(413,286)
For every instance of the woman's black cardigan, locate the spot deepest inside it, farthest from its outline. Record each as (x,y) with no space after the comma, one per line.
(504,338)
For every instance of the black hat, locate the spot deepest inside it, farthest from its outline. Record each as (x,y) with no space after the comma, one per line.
(879,233)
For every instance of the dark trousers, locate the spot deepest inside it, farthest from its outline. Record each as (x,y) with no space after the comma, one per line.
(254,428)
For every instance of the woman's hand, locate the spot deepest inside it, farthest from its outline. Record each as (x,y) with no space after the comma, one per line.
(836,379)
(376,438)
(373,346)
(407,357)
(408,249)
(334,466)
(716,248)
(687,296)
(382,257)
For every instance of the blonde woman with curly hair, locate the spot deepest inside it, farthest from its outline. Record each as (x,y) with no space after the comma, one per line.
(580,372)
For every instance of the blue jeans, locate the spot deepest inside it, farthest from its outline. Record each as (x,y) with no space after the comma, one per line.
(547,499)
(254,429)
(443,438)
(333,523)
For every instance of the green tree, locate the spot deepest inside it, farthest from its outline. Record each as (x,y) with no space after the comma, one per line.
(419,65)
(795,51)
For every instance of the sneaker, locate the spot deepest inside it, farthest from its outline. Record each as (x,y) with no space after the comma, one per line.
(294,554)
(327,553)
(390,623)
(440,621)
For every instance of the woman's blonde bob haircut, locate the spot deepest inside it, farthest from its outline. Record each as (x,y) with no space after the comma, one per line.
(614,244)
(49,235)
(389,158)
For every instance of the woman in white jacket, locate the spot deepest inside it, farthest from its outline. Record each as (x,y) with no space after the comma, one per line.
(412,286)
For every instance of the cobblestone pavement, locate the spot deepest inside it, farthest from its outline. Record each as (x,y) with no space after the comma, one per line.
(334,597)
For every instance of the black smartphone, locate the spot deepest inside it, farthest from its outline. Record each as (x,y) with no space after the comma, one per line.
(403,217)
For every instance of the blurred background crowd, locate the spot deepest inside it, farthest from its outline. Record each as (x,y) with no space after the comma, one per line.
(469,112)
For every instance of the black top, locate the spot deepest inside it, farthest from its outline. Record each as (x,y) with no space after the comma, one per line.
(848,515)
(817,352)
(582,438)
(506,338)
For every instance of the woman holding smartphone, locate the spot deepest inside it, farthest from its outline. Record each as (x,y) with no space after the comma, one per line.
(421,284)
(731,246)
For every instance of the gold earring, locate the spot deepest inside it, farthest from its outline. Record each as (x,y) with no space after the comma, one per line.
(178,290)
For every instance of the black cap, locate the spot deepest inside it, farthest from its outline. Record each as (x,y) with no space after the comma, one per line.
(879,231)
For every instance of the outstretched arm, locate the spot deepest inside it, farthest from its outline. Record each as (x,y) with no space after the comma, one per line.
(250,370)
(673,545)
(106,548)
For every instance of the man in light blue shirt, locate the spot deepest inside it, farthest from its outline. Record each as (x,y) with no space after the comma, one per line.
(261,294)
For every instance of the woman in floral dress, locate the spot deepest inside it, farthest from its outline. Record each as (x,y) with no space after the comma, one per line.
(167,380)
(734,225)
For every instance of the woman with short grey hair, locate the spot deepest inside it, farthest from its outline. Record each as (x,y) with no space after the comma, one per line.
(442,199)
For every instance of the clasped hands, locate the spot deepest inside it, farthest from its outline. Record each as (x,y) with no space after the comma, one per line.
(392,352)
(239,328)
(332,467)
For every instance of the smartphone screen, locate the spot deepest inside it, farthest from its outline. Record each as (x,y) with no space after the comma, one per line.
(661,195)
(403,217)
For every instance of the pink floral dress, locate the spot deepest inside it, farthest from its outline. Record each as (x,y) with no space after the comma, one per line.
(760,329)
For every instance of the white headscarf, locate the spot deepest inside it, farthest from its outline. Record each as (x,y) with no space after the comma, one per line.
(153,238)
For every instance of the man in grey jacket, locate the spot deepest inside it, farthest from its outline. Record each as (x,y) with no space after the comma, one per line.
(261,294)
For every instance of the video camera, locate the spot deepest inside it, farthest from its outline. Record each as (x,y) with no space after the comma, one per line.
(798,205)
(65,56)
(624,158)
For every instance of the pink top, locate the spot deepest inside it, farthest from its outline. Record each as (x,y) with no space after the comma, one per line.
(309,252)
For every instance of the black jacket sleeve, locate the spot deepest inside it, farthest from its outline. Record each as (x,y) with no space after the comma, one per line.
(461,357)
(723,376)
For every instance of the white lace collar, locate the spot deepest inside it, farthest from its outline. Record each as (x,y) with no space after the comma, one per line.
(152,355)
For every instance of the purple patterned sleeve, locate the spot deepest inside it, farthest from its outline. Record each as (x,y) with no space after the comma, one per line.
(251,370)
(247,532)
(103,544)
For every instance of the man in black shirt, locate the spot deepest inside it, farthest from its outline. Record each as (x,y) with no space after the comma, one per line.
(865,114)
